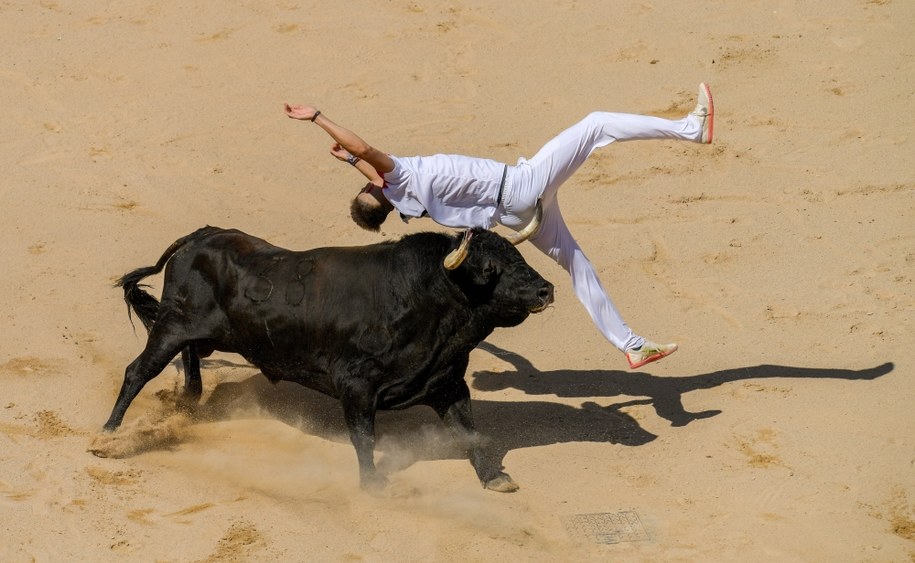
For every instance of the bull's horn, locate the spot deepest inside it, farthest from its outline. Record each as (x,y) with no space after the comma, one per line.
(456,257)
(530,229)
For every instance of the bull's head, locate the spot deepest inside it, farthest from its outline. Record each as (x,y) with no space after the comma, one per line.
(494,275)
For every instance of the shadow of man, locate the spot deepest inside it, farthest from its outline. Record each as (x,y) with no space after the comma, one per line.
(664,393)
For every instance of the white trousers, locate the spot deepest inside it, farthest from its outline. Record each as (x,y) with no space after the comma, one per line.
(540,178)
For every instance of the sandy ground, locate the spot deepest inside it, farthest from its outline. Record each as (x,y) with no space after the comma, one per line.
(781,259)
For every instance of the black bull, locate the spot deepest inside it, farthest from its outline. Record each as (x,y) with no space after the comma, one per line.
(383,326)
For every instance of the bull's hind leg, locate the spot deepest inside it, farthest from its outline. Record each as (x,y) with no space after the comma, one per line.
(454,409)
(190,359)
(160,349)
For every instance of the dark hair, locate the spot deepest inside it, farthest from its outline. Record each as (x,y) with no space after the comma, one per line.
(366,215)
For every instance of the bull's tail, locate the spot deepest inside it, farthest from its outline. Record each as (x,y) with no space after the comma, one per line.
(141,303)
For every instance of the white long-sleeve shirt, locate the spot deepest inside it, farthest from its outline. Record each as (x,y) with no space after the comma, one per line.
(456,191)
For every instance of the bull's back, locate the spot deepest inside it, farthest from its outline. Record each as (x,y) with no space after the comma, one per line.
(301,315)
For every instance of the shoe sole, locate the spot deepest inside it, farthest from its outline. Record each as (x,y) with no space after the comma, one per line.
(649,359)
(709,130)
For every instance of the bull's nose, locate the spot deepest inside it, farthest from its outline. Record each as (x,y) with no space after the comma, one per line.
(546,293)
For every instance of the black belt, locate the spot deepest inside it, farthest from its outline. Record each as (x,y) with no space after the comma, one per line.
(502,186)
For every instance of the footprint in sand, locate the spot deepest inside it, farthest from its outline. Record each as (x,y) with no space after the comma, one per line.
(117,478)
(753,448)
(48,425)
(239,542)
(31,365)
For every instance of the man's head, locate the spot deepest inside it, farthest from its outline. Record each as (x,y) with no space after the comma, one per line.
(370,208)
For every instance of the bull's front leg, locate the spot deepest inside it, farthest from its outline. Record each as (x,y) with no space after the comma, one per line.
(359,412)
(454,409)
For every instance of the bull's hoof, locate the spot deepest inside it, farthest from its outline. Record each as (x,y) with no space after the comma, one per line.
(103,444)
(375,483)
(502,483)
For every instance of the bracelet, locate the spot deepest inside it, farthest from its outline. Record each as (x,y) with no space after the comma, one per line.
(353,159)
(315,116)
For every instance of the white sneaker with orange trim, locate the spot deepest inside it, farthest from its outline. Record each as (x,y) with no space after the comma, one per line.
(648,352)
(705,111)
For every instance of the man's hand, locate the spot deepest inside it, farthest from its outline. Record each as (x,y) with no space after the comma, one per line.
(339,152)
(301,112)
(346,142)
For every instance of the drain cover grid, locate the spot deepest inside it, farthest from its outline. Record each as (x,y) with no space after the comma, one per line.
(606,527)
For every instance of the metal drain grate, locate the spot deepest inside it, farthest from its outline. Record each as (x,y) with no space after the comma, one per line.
(606,527)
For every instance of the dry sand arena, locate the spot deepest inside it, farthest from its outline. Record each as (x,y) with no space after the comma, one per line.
(781,259)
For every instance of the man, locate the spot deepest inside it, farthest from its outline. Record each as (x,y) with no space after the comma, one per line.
(464,192)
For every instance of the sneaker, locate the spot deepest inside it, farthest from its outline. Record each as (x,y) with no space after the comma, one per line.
(648,352)
(705,111)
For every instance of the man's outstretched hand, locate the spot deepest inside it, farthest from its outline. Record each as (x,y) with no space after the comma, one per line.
(300,112)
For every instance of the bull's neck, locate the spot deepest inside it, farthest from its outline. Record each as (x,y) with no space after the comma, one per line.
(477,327)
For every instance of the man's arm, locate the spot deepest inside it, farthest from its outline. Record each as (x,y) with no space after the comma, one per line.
(367,169)
(354,144)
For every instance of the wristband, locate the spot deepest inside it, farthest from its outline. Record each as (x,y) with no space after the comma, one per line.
(353,159)
(315,116)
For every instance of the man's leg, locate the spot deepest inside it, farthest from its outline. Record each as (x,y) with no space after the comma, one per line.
(555,163)
(557,160)
(555,240)
(540,178)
